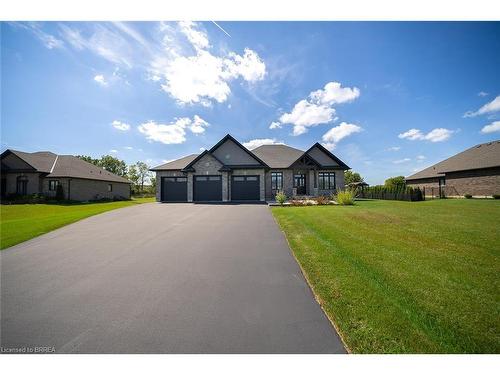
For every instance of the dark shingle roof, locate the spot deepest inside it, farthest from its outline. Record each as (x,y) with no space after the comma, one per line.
(176,164)
(65,166)
(485,155)
(42,161)
(278,156)
(71,166)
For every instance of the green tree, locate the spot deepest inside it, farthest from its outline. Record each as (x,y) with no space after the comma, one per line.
(351,177)
(133,176)
(113,165)
(395,182)
(143,172)
(89,159)
(153,184)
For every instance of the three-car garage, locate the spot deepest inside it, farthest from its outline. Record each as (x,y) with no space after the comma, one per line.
(208,188)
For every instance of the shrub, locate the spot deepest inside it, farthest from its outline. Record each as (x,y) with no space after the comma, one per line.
(280,198)
(496,196)
(59,193)
(345,197)
(322,200)
(467,196)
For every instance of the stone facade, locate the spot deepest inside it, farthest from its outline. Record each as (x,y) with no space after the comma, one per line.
(33,186)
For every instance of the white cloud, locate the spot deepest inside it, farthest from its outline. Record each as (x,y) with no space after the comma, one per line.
(482,93)
(491,107)
(317,108)
(113,151)
(491,128)
(400,161)
(337,133)
(435,135)
(120,125)
(202,77)
(306,114)
(100,80)
(198,125)
(275,125)
(172,133)
(420,157)
(48,40)
(254,143)
(394,148)
(128,148)
(334,93)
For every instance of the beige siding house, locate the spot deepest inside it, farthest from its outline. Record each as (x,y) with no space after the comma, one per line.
(229,172)
(24,173)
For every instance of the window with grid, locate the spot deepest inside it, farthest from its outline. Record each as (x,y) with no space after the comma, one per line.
(53,185)
(277,180)
(326,180)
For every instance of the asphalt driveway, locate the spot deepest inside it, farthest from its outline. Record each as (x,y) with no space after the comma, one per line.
(158,278)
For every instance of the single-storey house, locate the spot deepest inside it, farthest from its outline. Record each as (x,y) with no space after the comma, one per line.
(26,173)
(475,171)
(231,172)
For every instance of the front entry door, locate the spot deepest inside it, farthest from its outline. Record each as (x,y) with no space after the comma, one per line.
(299,182)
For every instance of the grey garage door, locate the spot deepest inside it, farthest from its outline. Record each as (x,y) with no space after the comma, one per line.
(174,189)
(207,188)
(245,188)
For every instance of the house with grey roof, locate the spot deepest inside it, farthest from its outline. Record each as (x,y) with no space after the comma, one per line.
(231,172)
(475,171)
(26,173)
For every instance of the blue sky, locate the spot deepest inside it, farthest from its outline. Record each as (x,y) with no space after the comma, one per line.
(387,98)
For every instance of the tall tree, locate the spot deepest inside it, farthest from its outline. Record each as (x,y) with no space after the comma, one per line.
(133,176)
(113,165)
(351,177)
(143,172)
(395,182)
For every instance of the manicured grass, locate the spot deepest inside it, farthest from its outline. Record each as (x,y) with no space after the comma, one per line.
(404,277)
(21,222)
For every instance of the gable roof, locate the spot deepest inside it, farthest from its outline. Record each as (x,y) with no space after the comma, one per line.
(73,167)
(484,155)
(42,161)
(176,164)
(341,164)
(230,137)
(189,167)
(278,156)
(64,166)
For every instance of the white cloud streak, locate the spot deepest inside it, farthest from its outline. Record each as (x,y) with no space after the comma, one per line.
(435,135)
(172,133)
(491,107)
(254,143)
(337,133)
(120,125)
(491,128)
(99,78)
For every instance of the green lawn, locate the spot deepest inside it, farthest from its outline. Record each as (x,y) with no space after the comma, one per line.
(404,277)
(21,222)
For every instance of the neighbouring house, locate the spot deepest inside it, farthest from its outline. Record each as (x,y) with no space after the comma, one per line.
(475,171)
(26,173)
(231,172)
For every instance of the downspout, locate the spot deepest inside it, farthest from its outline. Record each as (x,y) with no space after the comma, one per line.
(69,189)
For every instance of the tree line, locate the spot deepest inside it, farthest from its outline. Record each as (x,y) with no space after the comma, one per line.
(137,173)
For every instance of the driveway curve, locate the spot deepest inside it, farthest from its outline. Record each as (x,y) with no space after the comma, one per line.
(162,278)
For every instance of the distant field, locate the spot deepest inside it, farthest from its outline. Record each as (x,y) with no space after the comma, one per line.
(403,277)
(21,222)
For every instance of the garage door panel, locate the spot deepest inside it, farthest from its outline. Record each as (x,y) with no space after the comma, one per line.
(174,189)
(245,188)
(207,188)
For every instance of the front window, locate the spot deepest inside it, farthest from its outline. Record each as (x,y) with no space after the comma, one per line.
(277,180)
(110,187)
(22,185)
(326,180)
(53,185)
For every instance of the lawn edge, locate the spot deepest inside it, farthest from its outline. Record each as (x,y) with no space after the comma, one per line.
(67,224)
(311,288)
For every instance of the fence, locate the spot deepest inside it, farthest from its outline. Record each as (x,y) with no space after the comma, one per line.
(440,192)
(400,194)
